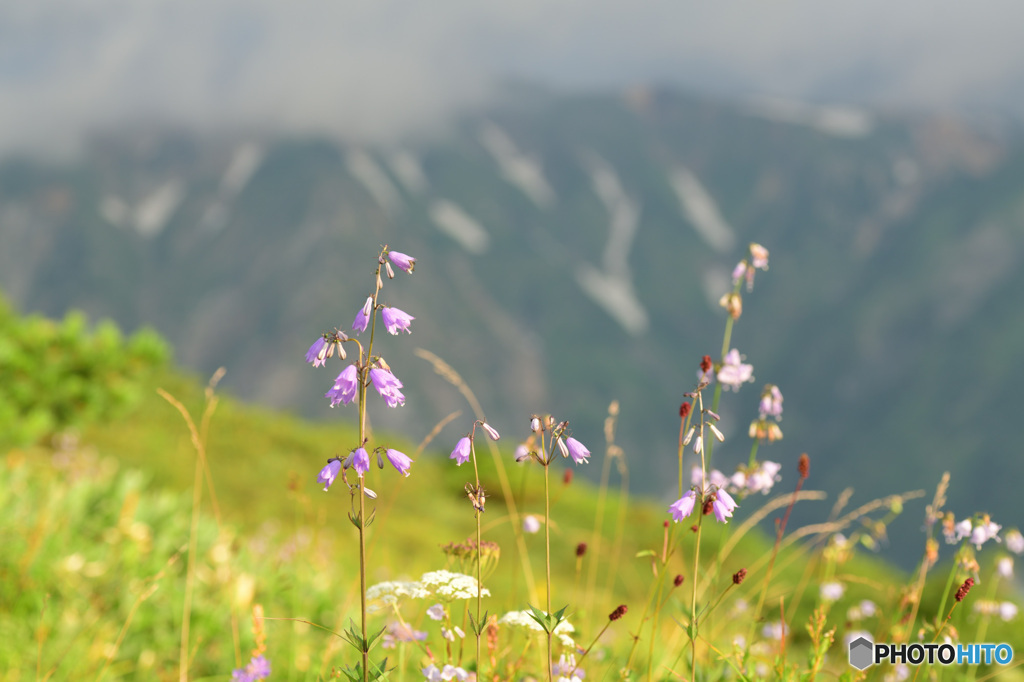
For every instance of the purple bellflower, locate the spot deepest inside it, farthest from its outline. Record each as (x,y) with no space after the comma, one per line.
(399,460)
(577,450)
(329,472)
(360,461)
(683,507)
(344,389)
(363,316)
(317,353)
(388,385)
(461,452)
(734,373)
(771,402)
(258,669)
(396,320)
(723,506)
(402,261)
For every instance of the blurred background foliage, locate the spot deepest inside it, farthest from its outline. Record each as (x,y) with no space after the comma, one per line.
(56,375)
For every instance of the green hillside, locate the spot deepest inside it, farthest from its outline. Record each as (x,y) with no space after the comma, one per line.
(570,258)
(97,569)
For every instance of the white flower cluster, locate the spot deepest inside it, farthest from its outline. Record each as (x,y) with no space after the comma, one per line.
(759,480)
(523,619)
(1006,610)
(449,672)
(448,585)
(978,530)
(388,593)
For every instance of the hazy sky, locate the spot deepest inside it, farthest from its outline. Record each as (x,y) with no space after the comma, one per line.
(384,67)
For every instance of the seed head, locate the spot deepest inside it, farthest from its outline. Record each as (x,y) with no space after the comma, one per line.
(706,364)
(738,576)
(581,549)
(678,580)
(964,589)
(684,410)
(804,465)
(619,612)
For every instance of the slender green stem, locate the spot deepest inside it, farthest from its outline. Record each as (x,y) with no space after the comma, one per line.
(696,546)
(949,585)
(753,452)
(363,382)
(479,550)
(547,552)
(979,634)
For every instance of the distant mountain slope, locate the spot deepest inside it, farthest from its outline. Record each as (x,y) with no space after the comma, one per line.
(572,250)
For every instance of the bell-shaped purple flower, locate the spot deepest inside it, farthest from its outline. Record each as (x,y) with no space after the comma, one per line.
(399,460)
(683,507)
(396,320)
(344,389)
(723,506)
(402,261)
(329,472)
(363,316)
(461,452)
(388,385)
(734,372)
(317,353)
(360,461)
(577,450)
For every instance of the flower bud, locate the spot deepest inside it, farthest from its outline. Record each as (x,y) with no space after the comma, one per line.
(391,273)
(718,434)
(535,424)
(698,445)
(689,435)
(490,431)
(733,304)
(562,446)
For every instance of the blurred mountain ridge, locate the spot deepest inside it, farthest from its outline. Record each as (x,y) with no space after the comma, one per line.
(571,251)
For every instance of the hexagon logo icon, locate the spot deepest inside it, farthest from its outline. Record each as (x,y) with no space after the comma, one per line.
(861,653)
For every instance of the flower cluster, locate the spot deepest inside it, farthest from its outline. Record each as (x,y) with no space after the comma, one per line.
(448,672)
(447,585)
(398,632)
(766,426)
(746,268)
(523,619)
(557,437)
(566,669)
(258,669)
(715,500)
(734,372)
(746,480)
(979,530)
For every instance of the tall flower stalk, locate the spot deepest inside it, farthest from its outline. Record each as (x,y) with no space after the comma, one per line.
(465,450)
(352,383)
(551,435)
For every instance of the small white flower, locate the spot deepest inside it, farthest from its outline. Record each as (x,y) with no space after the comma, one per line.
(531,524)
(1005,567)
(1007,611)
(832,591)
(436,612)
(1015,541)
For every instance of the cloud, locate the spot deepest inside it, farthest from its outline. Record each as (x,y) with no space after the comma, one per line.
(373,70)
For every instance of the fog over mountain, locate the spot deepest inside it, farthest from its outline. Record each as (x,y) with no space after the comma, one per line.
(358,70)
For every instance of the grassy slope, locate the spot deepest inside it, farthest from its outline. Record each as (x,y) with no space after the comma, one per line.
(90,534)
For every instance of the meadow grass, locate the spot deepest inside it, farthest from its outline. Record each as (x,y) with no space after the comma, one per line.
(189,539)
